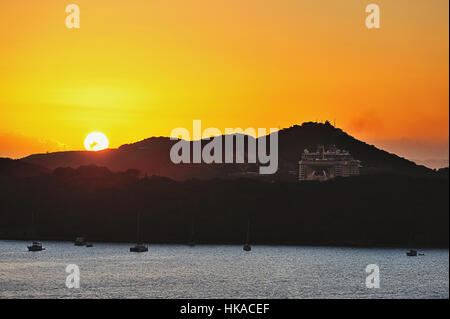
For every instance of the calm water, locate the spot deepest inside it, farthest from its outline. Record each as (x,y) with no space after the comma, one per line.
(166,271)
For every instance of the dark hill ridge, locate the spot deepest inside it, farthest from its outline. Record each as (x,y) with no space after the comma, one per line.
(152,156)
(16,168)
(293,140)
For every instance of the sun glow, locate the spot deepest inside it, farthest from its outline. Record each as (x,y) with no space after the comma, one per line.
(96,141)
(140,70)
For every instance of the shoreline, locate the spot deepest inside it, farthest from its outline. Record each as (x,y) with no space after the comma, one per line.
(305,244)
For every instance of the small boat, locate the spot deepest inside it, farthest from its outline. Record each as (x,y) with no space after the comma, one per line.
(411,253)
(139,248)
(36,246)
(89,245)
(247,246)
(79,241)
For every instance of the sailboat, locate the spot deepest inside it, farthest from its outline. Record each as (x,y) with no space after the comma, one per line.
(247,246)
(36,245)
(140,246)
(411,253)
(79,241)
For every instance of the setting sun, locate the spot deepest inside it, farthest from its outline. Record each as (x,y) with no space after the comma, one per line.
(96,141)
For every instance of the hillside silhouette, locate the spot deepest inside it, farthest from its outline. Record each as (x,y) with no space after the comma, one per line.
(151,157)
(99,194)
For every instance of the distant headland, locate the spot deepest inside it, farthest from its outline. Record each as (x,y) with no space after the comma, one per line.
(98,196)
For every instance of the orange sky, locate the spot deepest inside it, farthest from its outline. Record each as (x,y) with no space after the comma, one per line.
(139,68)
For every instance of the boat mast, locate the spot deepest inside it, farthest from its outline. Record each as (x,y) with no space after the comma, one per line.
(247,240)
(138,231)
(411,241)
(33,226)
(192,229)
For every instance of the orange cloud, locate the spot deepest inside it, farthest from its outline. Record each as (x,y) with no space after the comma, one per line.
(365,124)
